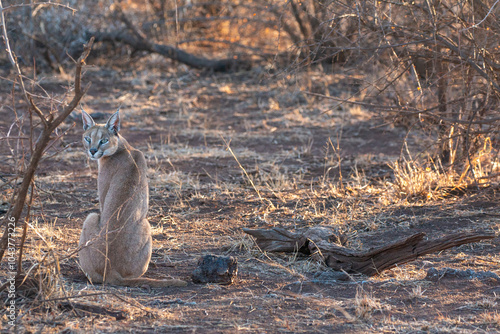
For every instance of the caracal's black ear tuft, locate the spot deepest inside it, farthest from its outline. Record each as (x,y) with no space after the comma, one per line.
(88,121)
(113,123)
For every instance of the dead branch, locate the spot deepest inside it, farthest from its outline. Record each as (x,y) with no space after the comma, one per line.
(140,42)
(93,309)
(450,44)
(315,241)
(222,65)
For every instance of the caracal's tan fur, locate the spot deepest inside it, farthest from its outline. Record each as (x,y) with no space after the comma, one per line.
(116,244)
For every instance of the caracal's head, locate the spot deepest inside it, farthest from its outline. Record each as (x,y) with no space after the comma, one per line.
(100,140)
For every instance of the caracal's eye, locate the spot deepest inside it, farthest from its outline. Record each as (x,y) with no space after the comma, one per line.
(88,140)
(104,141)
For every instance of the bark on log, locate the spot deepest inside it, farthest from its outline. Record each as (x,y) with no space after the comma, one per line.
(281,240)
(316,241)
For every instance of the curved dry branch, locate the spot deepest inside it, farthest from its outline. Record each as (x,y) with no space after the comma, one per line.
(315,241)
(16,209)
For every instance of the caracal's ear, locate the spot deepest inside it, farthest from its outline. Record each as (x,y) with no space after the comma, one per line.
(113,123)
(88,121)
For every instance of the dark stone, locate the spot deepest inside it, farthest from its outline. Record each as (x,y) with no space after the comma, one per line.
(215,269)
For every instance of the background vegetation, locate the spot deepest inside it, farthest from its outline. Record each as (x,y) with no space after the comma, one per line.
(353,114)
(430,65)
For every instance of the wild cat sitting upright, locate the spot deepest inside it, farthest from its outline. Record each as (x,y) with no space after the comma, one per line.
(116,244)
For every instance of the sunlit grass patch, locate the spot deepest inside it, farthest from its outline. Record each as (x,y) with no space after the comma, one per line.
(365,304)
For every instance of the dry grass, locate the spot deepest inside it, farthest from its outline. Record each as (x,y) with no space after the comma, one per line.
(365,305)
(422,182)
(418,180)
(490,318)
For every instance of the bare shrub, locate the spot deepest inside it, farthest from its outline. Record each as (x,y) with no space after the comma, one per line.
(427,64)
(50,34)
(318,29)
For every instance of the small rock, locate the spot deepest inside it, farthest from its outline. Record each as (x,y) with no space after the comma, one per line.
(215,269)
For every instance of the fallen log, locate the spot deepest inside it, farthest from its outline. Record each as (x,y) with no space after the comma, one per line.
(137,40)
(219,65)
(316,241)
(281,240)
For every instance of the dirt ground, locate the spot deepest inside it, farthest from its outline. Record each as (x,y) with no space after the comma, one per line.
(313,161)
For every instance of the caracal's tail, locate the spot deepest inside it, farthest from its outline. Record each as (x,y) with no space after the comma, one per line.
(154,283)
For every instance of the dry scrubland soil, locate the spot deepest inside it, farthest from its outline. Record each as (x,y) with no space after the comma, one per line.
(200,200)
